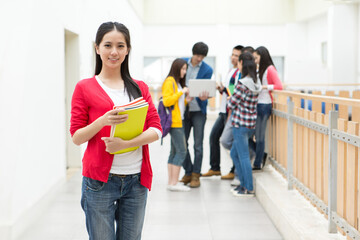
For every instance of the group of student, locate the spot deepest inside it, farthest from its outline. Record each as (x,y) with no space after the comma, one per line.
(246,104)
(115,186)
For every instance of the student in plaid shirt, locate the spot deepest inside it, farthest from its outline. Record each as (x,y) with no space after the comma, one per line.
(243,106)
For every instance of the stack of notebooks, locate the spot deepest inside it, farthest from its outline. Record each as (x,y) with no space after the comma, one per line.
(134,125)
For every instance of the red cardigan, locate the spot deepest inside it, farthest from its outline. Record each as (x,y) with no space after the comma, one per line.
(89,102)
(273,79)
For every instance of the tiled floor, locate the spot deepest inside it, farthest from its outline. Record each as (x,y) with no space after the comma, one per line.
(210,212)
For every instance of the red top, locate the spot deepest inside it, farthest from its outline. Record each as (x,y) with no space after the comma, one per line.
(90,102)
(273,79)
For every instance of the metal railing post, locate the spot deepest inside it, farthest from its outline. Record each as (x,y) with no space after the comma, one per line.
(333,118)
(290,145)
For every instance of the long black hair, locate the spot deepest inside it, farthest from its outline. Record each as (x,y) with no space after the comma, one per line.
(265,60)
(131,86)
(176,69)
(248,66)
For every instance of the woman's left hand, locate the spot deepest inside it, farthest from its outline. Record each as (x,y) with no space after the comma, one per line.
(189,99)
(113,144)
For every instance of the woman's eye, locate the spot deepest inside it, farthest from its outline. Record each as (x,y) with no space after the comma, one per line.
(107,45)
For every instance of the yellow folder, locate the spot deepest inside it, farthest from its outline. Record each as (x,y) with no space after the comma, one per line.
(133,126)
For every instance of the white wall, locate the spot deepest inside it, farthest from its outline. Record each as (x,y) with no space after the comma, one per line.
(179,40)
(217,12)
(32,123)
(343,42)
(303,52)
(300,43)
(307,9)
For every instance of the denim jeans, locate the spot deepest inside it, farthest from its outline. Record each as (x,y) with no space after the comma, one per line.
(114,210)
(240,155)
(215,135)
(263,114)
(178,146)
(195,120)
(227,138)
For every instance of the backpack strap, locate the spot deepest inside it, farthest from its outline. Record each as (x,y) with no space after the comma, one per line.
(169,109)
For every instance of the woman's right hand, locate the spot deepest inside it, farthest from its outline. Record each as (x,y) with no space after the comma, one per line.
(113,118)
(185,90)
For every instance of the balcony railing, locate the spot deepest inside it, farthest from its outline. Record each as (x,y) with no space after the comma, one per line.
(317,151)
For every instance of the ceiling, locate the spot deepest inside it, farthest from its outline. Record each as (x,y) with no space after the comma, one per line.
(200,12)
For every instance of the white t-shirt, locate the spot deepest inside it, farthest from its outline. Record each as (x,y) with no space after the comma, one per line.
(264,95)
(129,162)
(226,82)
(181,102)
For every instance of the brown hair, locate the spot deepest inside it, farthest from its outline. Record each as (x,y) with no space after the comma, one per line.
(175,71)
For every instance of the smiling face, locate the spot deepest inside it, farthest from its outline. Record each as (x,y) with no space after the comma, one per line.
(235,57)
(257,58)
(112,50)
(183,71)
(196,59)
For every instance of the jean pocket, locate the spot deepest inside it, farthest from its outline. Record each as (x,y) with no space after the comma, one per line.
(94,185)
(136,177)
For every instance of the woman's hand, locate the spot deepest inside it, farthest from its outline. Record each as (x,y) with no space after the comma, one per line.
(114,144)
(189,99)
(113,118)
(185,90)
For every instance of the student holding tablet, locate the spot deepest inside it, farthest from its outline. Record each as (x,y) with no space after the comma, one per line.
(195,114)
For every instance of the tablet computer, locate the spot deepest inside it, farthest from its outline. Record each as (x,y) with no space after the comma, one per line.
(197,86)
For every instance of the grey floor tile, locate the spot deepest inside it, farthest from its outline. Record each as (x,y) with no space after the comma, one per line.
(245,232)
(210,212)
(177,232)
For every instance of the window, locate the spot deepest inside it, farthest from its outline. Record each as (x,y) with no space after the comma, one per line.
(279,65)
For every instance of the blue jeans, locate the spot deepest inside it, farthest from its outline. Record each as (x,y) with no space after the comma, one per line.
(178,146)
(240,155)
(215,135)
(114,210)
(263,114)
(195,120)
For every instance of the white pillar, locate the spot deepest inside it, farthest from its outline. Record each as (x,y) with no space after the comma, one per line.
(343,42)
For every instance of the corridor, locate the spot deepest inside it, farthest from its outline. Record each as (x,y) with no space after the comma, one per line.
(210,212)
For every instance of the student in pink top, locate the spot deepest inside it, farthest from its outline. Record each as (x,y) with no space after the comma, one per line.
(114,186)
(270,81)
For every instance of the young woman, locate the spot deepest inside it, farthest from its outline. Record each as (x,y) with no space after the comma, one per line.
(269,80)
(243,105)
(114,187)
(174,91)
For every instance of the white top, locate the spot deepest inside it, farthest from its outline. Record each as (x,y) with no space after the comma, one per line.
(264,95)
(129,162)
(226,82)
(181,102)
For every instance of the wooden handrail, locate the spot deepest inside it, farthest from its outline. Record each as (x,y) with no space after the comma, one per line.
(326,99)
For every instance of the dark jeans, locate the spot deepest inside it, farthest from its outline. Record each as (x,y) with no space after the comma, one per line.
(195,120)
(263,114)
(215,135)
